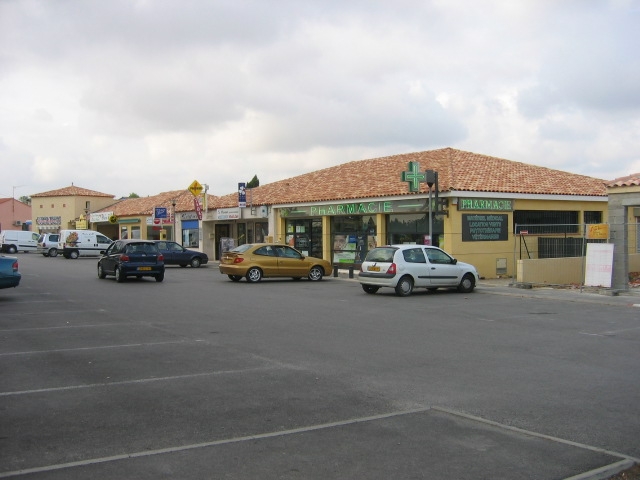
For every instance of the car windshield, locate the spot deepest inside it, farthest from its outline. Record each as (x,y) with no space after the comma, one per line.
(383,254)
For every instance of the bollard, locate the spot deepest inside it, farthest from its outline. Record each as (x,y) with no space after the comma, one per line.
(335,270)
(350,272)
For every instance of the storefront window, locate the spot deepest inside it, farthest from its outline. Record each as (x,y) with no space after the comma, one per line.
(242,233)
(190,233)
(352,237)
(413,228)
(305,235)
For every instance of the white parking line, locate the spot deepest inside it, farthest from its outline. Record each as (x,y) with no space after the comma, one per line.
(137,381)
(148,453)
(99,347)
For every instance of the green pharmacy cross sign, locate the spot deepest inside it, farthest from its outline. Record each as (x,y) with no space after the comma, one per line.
(414,176)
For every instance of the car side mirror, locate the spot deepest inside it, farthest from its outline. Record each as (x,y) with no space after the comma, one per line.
(455,261)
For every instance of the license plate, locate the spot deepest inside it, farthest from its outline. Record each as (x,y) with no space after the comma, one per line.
(373,268)
(144,268)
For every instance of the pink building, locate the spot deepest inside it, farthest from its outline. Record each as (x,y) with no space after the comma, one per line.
(14,215)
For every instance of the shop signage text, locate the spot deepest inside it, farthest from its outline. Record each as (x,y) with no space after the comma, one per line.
(100,217)
(356,208)
(499,205)
(485,228)
(48,220)
(228,213)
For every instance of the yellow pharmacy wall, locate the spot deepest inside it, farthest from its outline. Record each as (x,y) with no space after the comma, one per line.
(489,256)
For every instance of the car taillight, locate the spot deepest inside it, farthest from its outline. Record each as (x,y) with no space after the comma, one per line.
(392,269)
(124,258)
(15,266)
(161,258)
(238,260)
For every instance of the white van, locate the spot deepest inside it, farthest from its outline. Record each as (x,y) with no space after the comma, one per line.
(12,241)
(82,243)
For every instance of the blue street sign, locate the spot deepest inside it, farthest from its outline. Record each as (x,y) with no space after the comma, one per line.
(160,212)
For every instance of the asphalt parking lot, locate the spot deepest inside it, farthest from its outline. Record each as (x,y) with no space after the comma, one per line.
(199,377)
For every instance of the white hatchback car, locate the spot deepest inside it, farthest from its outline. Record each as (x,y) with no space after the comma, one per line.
(405,267)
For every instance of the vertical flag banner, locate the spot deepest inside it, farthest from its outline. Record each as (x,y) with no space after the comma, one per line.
(242,195)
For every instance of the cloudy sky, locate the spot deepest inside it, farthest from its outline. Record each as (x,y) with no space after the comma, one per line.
(145,96)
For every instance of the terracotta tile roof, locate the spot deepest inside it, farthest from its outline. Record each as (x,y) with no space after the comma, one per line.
(457,171)
(72,191)
(632,180)
(145,205)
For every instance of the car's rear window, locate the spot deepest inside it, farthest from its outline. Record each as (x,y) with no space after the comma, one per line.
(242,248)
(381,254)
(146,248)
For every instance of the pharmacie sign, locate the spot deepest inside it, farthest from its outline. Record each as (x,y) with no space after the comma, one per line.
(357,208)
(486,204)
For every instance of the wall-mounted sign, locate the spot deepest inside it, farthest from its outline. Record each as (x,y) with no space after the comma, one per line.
(357,208)
(228,213)
(41,221)
(598,231)
(414,176)
(486,204)
(485,228)
(100,217)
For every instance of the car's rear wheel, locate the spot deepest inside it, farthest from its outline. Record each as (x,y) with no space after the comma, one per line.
(467,284)
(316,273)
(73,254)
(160,277)
(120,277)
(101,273)
(195,262)
(53,252)
(235,278)
(404,286)
(11,249)
(370,288)
(254,275)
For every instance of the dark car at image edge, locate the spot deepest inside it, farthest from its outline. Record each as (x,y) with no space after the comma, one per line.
(9,274)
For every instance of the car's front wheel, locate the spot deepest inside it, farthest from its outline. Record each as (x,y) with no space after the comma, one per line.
(370,288)
(404,286)
(254,275)
(467,284)
(316,273)
(195,262)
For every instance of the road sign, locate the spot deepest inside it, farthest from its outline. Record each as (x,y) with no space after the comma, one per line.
(113,219)
(160,212)
(195,188)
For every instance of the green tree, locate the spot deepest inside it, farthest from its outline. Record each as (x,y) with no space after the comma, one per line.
(26,200)
(134,195)
(254,182)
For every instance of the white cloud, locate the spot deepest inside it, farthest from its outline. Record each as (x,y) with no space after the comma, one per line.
(159,93)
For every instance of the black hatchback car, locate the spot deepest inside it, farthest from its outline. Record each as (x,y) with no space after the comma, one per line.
(176,254)
(132,258)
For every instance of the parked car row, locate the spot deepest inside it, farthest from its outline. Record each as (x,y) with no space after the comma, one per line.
(400,267)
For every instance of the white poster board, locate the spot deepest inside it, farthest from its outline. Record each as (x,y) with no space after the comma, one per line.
(599,266)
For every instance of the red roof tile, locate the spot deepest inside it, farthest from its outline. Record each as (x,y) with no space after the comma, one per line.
(632,180)
(457,171)
(145,205)
(72,191)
